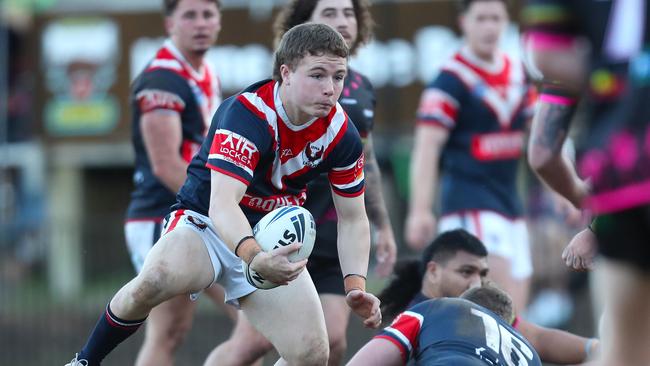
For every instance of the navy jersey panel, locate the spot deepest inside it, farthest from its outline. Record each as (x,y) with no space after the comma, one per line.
(485,113)
(150,198)
(358,100)
(250,141)
(613,153)
(440,330)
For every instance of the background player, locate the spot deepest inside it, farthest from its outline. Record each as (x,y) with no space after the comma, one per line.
(452,332)
(352,19)
(172,102)
(471,121)
(238,176)
(613,152)
(455,262)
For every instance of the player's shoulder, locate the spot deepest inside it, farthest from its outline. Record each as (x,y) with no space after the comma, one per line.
(160,78)
(448,77)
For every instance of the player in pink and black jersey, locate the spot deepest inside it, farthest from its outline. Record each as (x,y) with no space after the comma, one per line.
(240,173)
(469,139)
(603,59)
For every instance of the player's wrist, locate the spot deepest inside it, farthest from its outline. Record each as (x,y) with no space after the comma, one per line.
(354,281)
(247,248)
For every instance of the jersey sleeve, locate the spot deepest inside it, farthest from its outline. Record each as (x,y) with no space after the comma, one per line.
(404,332)
(346,175)
(162,89)
(239,139)
(439,102)
(550,24)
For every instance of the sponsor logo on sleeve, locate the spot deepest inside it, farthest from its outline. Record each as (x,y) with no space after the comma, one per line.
(150,99)
(235,149)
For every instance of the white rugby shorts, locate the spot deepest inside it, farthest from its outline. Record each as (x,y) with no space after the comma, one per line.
(502,236)
(140,235)
(228,268)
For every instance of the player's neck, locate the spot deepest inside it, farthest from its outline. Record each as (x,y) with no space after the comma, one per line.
(295,116)
(490,58)
(430,292)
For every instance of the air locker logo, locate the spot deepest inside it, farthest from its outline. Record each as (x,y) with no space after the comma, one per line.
(235,149)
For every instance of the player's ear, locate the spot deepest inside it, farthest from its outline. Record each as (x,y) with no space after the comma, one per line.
(432,268)
(169,24)
(285,70)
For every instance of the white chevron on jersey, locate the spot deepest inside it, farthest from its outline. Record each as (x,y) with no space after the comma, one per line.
(504,109)
(299,162)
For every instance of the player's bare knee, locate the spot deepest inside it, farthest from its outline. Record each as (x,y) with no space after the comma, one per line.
(149,288)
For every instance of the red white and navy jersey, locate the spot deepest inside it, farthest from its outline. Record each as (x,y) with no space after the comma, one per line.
(486,109)
(169,83)
(252,140)
(358,100)
(614,151)
(452,331)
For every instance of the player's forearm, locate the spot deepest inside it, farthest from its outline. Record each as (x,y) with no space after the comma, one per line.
(423,174)
(560,347)
(549,131)
(374,199)
(172,174)
(229,221)
(353,242)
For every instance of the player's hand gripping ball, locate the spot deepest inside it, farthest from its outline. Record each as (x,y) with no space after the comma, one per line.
(282,227)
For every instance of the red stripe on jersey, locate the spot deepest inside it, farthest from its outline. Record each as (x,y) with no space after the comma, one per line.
(338,137)
(436,104)
(493,79)
(477,224)
(152,99)
(242,99)
(353,173)
(228,173)
(409,326)
(403,351)
(189,149)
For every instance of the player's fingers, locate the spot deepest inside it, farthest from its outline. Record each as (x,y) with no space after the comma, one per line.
(288,249)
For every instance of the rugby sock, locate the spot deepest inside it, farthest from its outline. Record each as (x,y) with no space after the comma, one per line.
(108,333)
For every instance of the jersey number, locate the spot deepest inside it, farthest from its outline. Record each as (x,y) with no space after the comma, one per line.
(501,340)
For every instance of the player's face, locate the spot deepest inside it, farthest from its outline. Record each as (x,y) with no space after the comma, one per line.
(462,272)
(338,14)
(312,89)
(194,25)
(483,24)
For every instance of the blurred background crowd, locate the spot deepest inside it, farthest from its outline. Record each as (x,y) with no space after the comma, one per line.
(66,158)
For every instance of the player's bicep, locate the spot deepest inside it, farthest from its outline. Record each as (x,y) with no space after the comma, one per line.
(379,351)
(348,208)
(162,135)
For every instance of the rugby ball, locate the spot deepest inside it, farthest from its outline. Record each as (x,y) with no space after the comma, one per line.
(281,227)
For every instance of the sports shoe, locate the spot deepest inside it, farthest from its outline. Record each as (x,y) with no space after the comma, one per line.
(76,362)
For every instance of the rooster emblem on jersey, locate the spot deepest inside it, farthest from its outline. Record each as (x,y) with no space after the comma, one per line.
(313,155)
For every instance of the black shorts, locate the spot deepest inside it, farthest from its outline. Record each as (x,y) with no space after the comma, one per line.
(625,236)
(326,274)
